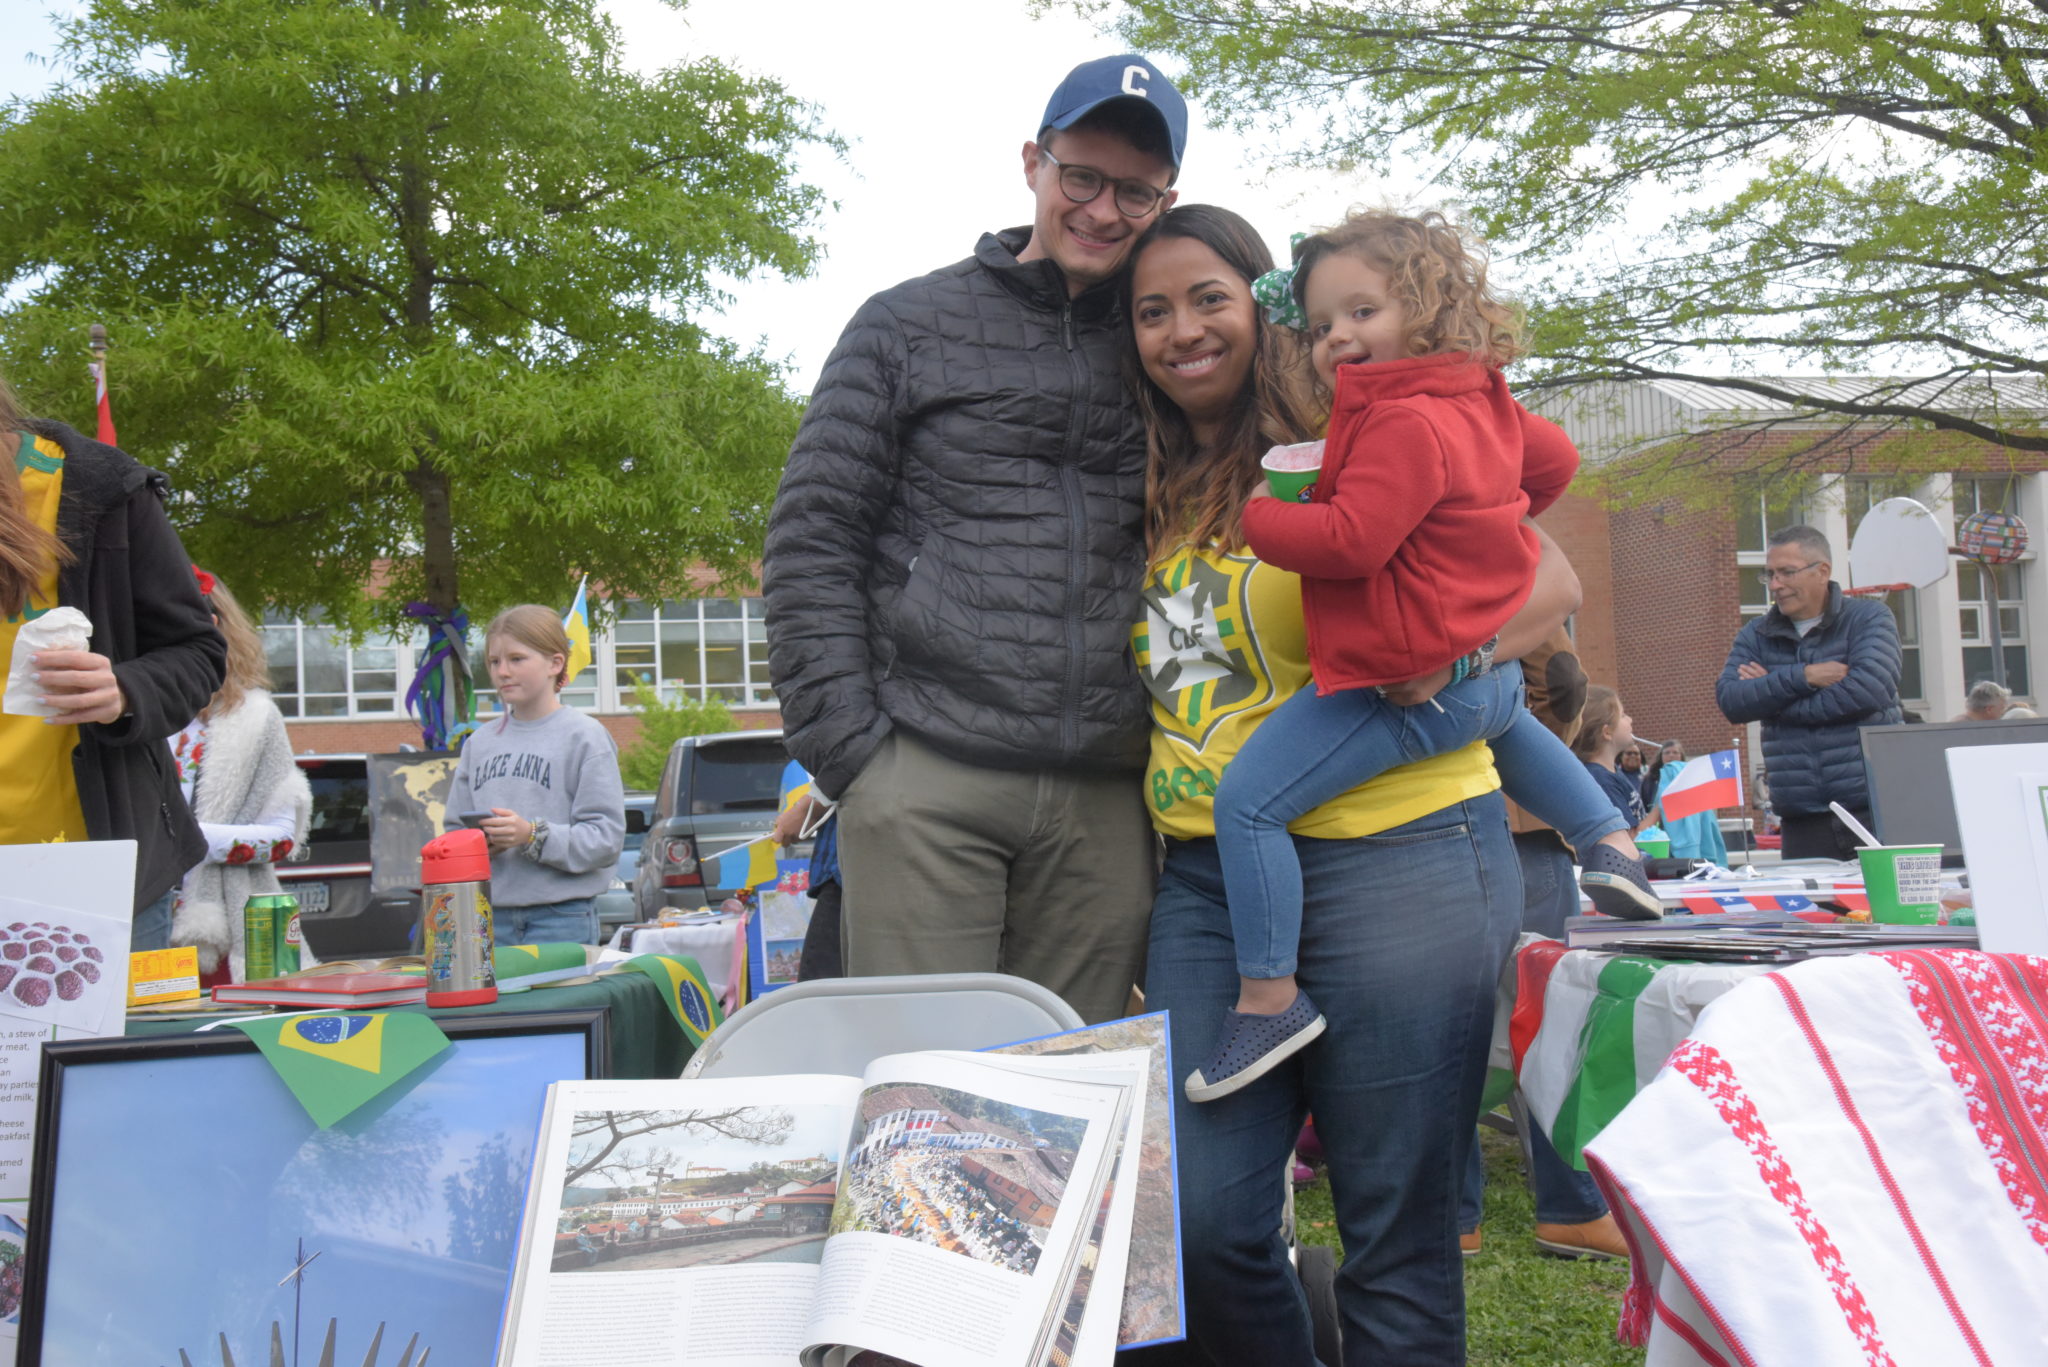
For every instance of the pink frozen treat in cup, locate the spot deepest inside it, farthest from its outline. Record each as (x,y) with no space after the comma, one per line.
(1291,470)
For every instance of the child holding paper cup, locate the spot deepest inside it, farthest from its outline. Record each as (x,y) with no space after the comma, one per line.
(1412,556)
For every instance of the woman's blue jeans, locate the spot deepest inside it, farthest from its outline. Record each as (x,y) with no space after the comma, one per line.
(1402,941)
(573,922)
(1312,748)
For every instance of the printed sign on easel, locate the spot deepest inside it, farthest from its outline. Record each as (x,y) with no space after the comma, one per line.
(775,934)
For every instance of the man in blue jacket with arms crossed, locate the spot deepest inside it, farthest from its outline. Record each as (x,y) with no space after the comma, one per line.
(1815,670)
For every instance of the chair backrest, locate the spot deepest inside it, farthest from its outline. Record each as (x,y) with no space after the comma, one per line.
(840,1025)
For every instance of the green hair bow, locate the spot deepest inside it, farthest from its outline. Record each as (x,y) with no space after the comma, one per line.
(1275,293)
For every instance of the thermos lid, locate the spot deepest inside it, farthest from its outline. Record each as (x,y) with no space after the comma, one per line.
(457,857)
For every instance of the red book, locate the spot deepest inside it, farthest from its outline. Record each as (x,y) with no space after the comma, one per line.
(327,989)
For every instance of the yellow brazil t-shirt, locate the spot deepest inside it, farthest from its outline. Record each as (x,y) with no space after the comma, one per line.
(1221,645)
(39,798)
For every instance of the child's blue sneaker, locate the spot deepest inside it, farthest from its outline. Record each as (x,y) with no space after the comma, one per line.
(1253,1046)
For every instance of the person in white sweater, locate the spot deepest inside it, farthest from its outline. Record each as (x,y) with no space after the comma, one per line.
(542,783)
(251,799)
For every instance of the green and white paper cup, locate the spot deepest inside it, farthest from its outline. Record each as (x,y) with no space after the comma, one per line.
(1291,470)
(1903,883)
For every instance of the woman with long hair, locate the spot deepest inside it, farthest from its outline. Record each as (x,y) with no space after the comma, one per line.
(235,765)
(1411,893)
(82,525)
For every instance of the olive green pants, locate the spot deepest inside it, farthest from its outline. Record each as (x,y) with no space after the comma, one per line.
(950,868)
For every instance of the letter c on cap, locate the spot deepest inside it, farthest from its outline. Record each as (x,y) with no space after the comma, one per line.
(1131,86)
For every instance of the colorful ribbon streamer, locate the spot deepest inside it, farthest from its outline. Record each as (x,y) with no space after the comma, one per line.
(441,697)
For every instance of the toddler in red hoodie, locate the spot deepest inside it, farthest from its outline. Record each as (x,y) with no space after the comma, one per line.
(1413,555)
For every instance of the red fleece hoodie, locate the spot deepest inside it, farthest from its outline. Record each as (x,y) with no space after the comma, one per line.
(1411,548)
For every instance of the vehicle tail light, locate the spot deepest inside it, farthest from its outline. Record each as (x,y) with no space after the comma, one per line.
(680,868)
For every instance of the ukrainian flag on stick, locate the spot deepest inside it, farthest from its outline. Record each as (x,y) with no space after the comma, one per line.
(745,866)
(577,623)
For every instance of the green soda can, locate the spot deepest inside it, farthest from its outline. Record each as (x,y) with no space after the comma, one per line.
(259,938)
(290,934)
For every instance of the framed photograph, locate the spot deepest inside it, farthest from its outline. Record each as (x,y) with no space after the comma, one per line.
(184,1208)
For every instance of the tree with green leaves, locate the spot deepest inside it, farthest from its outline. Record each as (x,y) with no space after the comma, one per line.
(405,293)
(1829,185)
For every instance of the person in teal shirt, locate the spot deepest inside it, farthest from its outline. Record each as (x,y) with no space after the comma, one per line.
(1692,837)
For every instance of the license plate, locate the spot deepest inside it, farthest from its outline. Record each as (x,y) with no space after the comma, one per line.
(312,896)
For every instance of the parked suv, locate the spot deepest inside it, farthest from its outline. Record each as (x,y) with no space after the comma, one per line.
(342,919)
(716,792)
(615,906)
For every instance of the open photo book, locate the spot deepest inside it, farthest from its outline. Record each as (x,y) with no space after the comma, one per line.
(942,1208)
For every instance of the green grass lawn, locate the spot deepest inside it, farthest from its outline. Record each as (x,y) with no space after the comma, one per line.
(1522,1309)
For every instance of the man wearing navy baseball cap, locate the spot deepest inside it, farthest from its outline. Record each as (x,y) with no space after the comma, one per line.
(952,574)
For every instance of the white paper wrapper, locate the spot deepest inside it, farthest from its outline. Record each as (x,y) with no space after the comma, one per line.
(57,629)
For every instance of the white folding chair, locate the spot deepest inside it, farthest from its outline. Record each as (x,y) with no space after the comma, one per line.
(840,1025)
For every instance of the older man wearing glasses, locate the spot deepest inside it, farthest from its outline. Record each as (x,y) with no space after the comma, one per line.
(952,570)
(1814,670)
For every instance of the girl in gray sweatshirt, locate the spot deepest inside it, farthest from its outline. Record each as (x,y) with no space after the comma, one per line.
(541,781)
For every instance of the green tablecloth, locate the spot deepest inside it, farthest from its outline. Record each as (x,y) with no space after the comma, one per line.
(645,1039)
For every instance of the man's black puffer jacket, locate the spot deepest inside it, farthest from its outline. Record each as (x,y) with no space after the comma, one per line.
(955,549)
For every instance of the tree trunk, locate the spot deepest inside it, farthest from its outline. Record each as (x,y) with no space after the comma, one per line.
(437,535)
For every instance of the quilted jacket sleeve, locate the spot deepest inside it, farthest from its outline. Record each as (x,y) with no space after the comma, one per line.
(1872,684)
(1747,700)
(816,567)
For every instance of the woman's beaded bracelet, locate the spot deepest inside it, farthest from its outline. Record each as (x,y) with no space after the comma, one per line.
(1478,662)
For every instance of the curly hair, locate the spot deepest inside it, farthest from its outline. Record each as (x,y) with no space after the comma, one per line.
(1195,497)
(1437,271)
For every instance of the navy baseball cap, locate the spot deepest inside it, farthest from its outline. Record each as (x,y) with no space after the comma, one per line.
(1128,77)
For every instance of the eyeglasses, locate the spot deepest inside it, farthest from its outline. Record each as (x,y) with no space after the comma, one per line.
(1134,198)
(1769,577)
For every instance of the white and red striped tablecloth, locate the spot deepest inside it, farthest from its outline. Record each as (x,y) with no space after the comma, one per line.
(1845,1162)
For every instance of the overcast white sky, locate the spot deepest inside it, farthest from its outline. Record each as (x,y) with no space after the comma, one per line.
(935,98)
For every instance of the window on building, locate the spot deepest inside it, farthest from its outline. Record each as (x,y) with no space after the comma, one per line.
(709,648)
(1759,511)
(1992,493)
(314,672)
(714,647)
(1861,493)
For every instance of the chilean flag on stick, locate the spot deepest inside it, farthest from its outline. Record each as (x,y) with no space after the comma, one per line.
(1704,784)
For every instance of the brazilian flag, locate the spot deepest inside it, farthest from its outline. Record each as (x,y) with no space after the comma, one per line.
(334,1064)
(516,961)
(686,990)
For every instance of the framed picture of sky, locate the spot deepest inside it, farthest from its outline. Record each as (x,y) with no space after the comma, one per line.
(186,1210)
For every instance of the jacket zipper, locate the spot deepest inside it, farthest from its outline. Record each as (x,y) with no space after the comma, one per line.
(1077,534)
